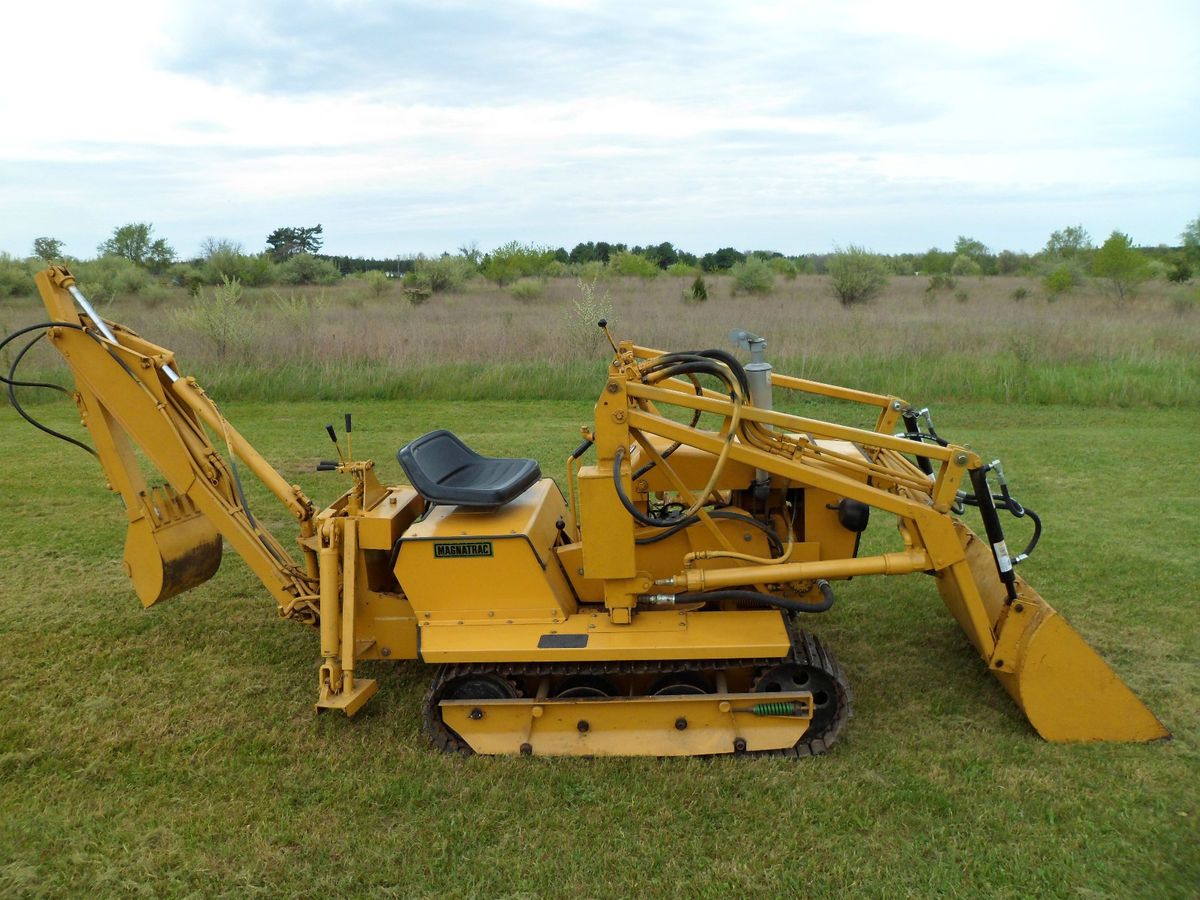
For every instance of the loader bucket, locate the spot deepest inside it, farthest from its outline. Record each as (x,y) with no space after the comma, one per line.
(171,549)
(1066,690)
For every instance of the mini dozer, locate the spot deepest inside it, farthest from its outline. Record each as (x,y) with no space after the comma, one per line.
(660,606)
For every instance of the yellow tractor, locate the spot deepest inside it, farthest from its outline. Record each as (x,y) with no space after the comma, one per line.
(659,607)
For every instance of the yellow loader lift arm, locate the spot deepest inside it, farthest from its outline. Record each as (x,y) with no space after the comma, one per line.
(647,612)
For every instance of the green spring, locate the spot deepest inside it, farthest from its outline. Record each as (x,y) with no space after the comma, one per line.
(785,708)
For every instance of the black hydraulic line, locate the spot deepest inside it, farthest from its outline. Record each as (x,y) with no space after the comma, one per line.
(772,537)
(582,448)
(32,384)
(1018,511)
(694,366)
(727,359)
(994,530)
(637,514)
(914,433)
(12,382)
(760,599)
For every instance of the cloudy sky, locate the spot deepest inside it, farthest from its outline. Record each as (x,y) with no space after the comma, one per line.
(406,127)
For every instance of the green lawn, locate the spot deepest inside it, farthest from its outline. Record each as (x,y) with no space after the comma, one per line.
(175,751)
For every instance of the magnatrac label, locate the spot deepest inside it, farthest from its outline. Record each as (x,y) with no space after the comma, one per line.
(461,549)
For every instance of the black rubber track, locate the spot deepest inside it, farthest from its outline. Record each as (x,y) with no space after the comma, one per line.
(807,650)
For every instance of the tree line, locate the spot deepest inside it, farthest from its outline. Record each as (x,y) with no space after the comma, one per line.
(293,255)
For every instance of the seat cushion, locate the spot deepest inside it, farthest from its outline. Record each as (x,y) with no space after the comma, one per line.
(445,470)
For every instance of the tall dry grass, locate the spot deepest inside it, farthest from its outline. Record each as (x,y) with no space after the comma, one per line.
(485,343)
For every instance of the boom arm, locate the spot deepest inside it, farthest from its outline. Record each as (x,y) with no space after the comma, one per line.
(129,394)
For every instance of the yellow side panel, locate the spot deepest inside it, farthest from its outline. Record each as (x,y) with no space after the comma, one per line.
(606,525)
(591,636)
(459,564)
(379,527)
(678,725)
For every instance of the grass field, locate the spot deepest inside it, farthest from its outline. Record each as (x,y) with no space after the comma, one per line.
(175,751)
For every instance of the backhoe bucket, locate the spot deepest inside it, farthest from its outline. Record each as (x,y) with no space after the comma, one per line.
(1066,690)
(170,549)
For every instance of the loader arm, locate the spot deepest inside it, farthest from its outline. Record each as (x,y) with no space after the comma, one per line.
(129,394)
(1064,688)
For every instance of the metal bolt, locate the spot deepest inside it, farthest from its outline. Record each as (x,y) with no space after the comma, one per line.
(475,714)
(613,387)
(619,415)
(739,745)
(1018,607)
(747,537)
(527,749)
(999,664)
(680,724)
(583,726)
(385,651)
(960,459)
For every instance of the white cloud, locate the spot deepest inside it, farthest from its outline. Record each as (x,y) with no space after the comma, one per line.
(570,121)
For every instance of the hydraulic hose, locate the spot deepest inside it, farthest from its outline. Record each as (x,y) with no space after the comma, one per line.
(12,383)
(760,599)
(1018,511)
(675,446)
(772,537)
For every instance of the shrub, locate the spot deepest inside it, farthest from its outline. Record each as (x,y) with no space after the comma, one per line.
(417,294)
(1019,294)
(445,274)
(965,265)
(583,336)
(222,319)
(941,282)
(783,266)
(557,269)
(16,276)
(377,282)
(526,289)
(515,260)
(753,276)
(699,292)
(1179,272)
(107,277)
(961,295)
(1120,267)
(682,270)
(187,277)
(256,270)
(154,294)
(593,271)
(1061,279)
(856,275)
(632,265)
(299,311)
(304,268)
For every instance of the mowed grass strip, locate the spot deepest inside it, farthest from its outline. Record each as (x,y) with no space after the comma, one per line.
(175,751)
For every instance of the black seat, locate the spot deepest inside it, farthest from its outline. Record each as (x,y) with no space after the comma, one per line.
(445,470)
